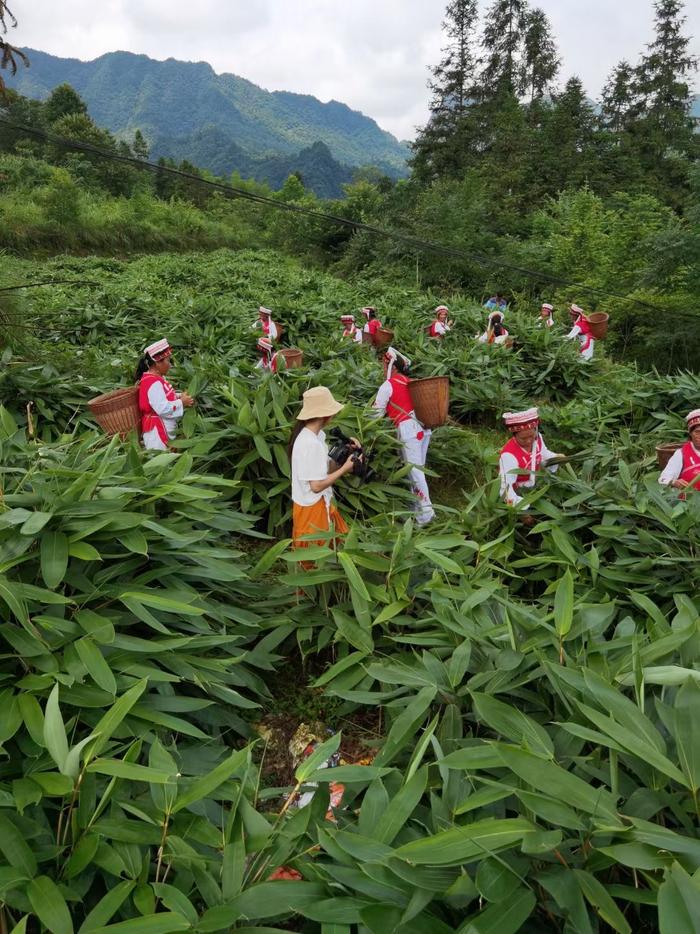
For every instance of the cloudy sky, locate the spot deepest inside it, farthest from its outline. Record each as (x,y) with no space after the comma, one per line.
(370,54)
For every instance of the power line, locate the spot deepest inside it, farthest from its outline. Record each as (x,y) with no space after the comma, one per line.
(415,242)
(34,285)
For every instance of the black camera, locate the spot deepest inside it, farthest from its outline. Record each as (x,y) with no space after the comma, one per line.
(343,447)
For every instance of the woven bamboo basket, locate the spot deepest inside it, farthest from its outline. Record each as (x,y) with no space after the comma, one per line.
(599,324)
(117,412)
(664,452)
(383,337)
(431,400)
(367,338)
(293,357)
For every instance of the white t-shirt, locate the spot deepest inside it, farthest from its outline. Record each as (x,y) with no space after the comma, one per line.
(309,462)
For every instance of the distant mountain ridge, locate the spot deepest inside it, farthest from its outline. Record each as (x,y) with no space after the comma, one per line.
(180,106)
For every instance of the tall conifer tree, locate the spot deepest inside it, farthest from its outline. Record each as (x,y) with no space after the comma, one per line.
(663,80)
(540,62)
(442,145)
(504,27)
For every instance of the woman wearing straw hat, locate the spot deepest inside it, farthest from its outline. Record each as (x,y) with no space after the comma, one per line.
(350,328)
(523,455)
(394,400)
(441,325)
(312,484)
(161,407)
(683,468)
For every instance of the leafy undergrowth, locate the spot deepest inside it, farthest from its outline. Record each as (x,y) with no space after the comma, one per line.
(530,697)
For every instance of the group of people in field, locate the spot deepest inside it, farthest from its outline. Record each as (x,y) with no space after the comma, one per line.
(313,475)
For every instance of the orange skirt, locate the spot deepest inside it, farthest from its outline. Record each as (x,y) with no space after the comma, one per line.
(307,520)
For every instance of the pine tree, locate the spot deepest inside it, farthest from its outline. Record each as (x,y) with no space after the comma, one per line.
(437,150)
(619,100)
(569,140)
(662,80)
(140,147)
(502,41)
(540,62)
(63,101)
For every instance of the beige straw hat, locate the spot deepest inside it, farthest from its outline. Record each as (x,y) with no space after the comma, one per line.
(318,403)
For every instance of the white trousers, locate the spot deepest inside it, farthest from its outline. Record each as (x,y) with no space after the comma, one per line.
(415,452)
(587,354)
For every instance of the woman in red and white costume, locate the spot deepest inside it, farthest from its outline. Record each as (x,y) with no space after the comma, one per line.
(394,399)
(441,325)
(161,407)
(683,468)
(269,328)
(525,453)
(351,330)
(581,329)
(268,356)
(373,323)
(546,316)
(495,333)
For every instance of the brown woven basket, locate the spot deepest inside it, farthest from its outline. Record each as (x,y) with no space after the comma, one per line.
(431,400)
(367,338)
(293,357)
(664,452)
(117,412)
(599,324)
(383,337)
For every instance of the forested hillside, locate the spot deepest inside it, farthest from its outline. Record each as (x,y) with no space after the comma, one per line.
(177,106)
(483,725)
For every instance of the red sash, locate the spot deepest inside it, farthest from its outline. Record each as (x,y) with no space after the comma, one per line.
(149,419)
(691,464)
(350,332)
(373,326)
(400,405)
(523,458)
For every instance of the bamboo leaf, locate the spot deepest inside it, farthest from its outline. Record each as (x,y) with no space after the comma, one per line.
(49,905)
(55,738)
(54,558)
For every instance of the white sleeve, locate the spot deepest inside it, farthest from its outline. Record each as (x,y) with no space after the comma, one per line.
(508,470)
(160,405)
(574,332)
(357,336)
(440,328)
(383,397)
(673,469)
(273,331)
(548,455)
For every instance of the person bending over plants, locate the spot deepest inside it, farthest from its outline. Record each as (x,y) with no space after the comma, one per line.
(350,329)
(495,332)
(268,355)
(394,400)
(522,456)
(313,508)
(160,406)
(683,468)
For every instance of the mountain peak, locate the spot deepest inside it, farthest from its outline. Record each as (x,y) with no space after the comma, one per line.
(175,103)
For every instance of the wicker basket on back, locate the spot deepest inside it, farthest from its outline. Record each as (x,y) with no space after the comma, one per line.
(367,338)
(293,357)
(599,324)
(664,452)
(431,400)
(383,337)
(117,412)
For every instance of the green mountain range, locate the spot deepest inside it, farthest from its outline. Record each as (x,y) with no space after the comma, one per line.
(219,122)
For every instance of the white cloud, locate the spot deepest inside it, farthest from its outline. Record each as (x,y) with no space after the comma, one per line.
(370,54)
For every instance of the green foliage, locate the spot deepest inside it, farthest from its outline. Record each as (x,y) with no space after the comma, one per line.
(539,693)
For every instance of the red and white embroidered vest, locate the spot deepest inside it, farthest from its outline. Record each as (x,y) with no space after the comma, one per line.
(149,419)
(400,407)
(433,329)
(691,464)
(524,458)
(373,326)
